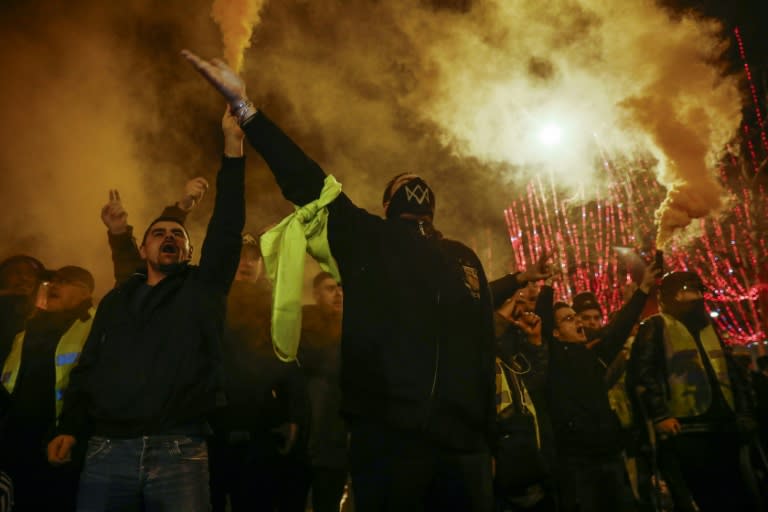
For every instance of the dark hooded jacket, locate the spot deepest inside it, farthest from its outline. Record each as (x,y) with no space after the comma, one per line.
(417,333)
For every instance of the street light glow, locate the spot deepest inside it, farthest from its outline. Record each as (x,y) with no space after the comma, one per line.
(550,134)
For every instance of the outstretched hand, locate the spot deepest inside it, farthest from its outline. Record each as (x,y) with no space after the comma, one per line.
(113,215)
(542,269)
(194,190)
(219,75)
(650,275)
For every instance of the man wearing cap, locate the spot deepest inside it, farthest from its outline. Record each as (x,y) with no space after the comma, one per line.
(147,377)
(417,374)
(689,387)
(35,375)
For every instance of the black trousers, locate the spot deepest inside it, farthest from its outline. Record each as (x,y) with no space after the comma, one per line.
(327,488)
(37,485)
(705,467)
(250,471)
(402,471)
(593,484)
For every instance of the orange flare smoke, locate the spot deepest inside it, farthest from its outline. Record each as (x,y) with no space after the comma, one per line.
(236,18)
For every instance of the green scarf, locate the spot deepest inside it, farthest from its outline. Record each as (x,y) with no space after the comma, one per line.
(283,248)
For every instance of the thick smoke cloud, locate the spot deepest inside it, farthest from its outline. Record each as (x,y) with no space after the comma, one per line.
(94,96)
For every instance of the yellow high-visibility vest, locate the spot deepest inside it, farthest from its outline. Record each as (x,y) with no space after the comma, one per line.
(67,354)
(689,385)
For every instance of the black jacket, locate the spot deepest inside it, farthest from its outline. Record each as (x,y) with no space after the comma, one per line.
(260,391)
(417,341)
(155,372)
(582,419)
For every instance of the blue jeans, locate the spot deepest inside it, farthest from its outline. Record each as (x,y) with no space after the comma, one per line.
(150,473)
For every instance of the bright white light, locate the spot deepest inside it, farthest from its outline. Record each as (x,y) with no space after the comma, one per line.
(714,314)
(550,135)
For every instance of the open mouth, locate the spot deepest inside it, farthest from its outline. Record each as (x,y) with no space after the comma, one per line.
(169,249)
(580,330)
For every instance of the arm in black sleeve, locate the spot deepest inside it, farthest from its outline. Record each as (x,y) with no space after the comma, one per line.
(504,288)
(538,358)
(175,212)
(223,239)
(125,255)
(545,303)
(646,370)
(298,176)
(74,413)
(615,334)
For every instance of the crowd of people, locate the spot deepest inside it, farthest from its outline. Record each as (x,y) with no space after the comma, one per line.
(422,386)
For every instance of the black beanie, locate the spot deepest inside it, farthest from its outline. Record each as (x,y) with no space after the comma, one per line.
(413,196)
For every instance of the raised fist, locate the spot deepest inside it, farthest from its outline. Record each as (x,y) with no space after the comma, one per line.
(194,191)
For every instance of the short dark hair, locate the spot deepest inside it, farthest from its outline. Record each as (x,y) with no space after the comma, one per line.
(320,277)
(165,218)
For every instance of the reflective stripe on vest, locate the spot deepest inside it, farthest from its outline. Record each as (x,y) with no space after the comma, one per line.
(67,353)
(689,385)
(504,394)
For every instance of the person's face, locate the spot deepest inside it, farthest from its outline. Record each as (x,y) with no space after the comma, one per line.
(20,278)
(688,294)
(249,269)
(329,296)
(66,295)
(591,319)
(568,326)
(165,244)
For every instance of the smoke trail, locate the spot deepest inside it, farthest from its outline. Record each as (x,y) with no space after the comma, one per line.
(630,79)
(236,18)
(95,97)
(688,113)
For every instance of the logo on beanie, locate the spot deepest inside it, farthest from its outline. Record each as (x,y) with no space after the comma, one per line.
(416,193)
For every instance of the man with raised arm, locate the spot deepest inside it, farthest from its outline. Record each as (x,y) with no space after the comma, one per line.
(147,379)
(125,252)
(417,372)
